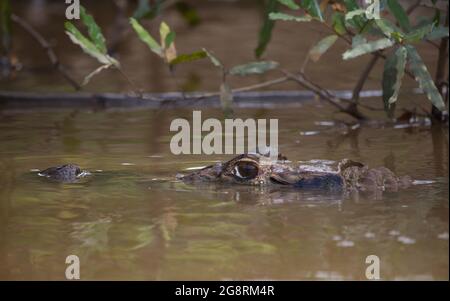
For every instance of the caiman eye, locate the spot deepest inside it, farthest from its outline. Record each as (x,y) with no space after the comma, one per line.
(245,170)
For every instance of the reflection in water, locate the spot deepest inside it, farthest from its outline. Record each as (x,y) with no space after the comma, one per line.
(349,134)
(440,148)
(137,222)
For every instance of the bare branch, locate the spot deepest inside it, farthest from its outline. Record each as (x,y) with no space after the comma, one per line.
(136,90)
(413,7)
(50,53)
(326,95)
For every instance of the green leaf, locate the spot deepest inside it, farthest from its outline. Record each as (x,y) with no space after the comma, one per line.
(88,47)
(145,37)
(94,31)
(338,20)
(351,5)
(286,17)
(265,33)
(321,47)
(188,12)
(313,8)
(289,3)
(213,59)
(437,17)
(367,48)
(438,32)
(169,39)
(146,11)
(357,12)
(164,31)
(253,68)
(419,33)
(184,58)
(424,78)
(394,69)
(142,9)
(358,21)
(358,40)
(399,13)
(388,28)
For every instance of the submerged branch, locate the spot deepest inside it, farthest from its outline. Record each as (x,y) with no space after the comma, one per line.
(46,45)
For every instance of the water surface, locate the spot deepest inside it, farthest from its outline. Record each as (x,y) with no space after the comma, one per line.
(132,220)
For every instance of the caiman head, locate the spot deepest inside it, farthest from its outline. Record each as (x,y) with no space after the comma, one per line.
(68,173)
(257,169)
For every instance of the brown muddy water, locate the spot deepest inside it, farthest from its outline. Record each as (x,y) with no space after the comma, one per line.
(133,220)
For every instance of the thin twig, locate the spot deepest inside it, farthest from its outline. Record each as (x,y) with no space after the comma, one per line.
(363,78)
(432,43)
(306,60)
(244,89)
(276,81)
(413,7)
(136,90)
(431,7)
(325,94)
(50,53)
(262,85)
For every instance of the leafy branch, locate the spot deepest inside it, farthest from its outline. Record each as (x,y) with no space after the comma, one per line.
(95,46)
(362,28)
(167,52)
(354,24)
